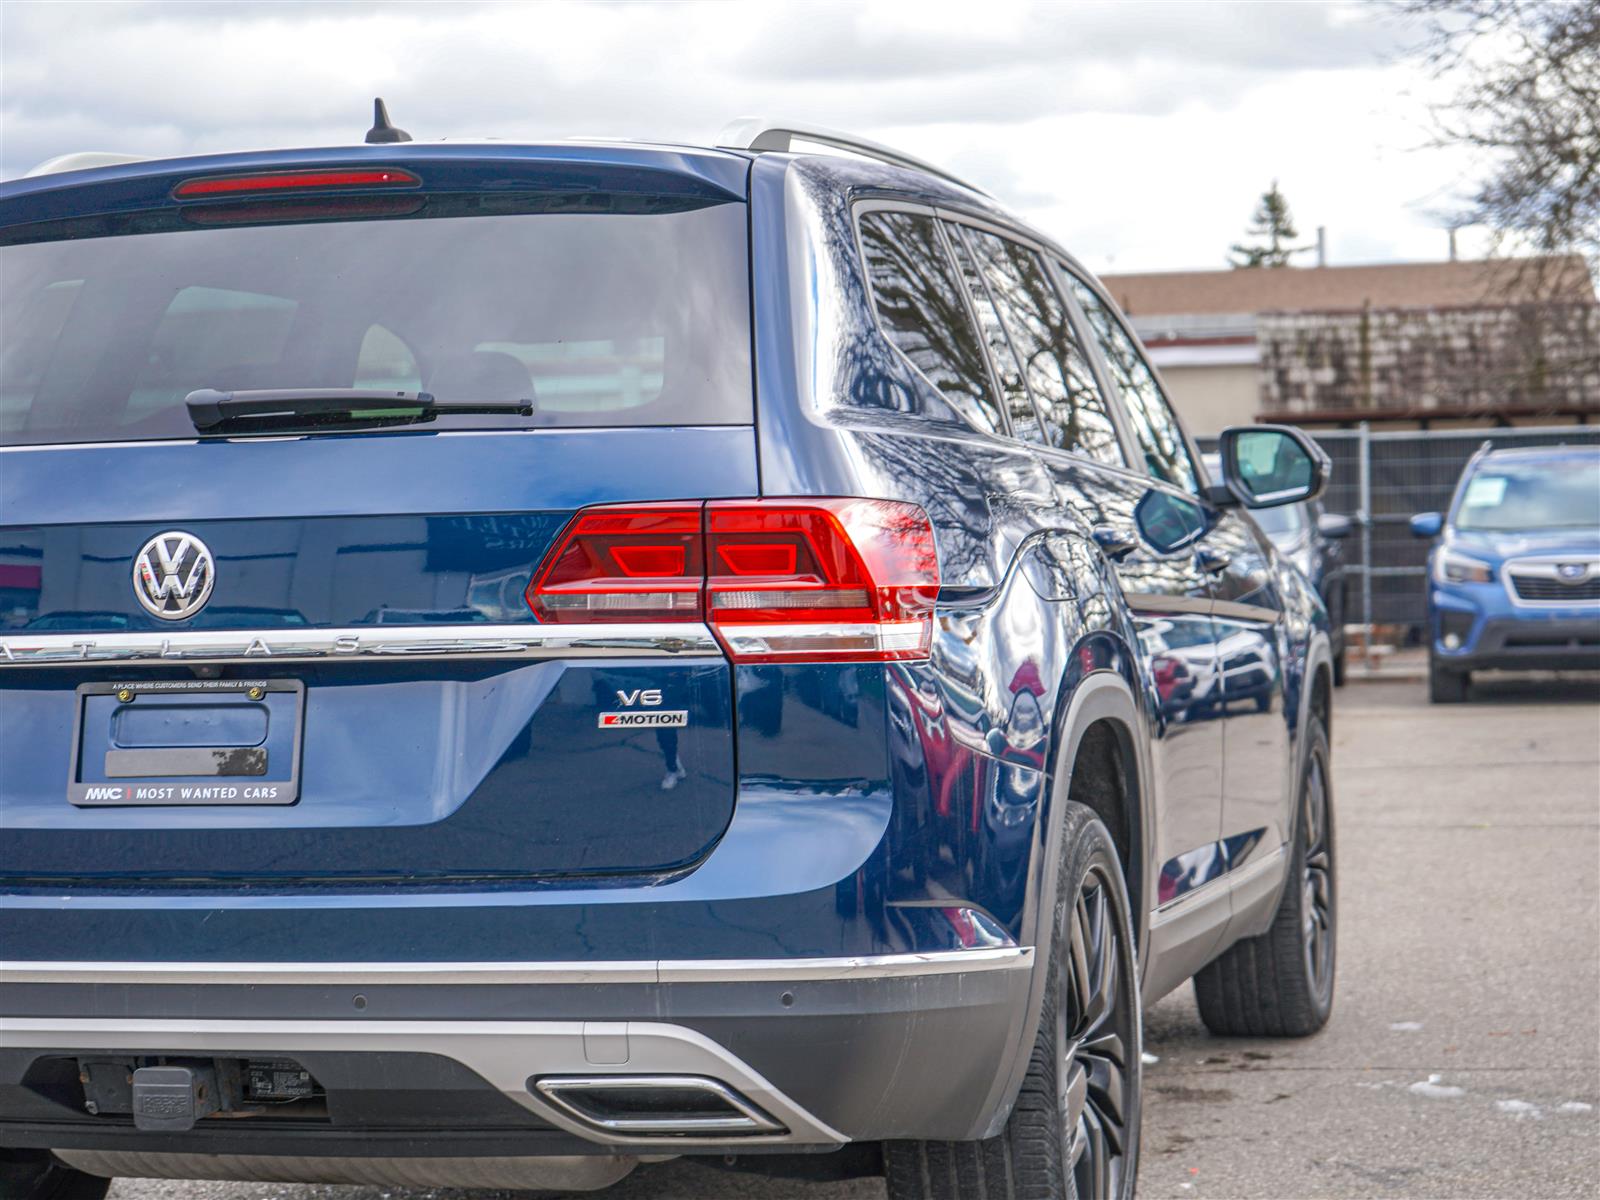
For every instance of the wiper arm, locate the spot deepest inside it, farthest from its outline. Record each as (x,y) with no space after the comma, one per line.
(210,409)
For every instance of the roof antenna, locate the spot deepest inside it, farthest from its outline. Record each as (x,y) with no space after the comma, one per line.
(382,132)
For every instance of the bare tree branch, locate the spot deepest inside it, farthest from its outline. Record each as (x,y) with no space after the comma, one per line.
(1527,99)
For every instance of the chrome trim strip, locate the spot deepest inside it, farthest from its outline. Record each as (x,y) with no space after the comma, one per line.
(31,447)
(796,641)
(747,1119)
(1544,567)
(505,1053)
(1165,604)
(706,970)
(878,966)
(1256,614)
(359,643)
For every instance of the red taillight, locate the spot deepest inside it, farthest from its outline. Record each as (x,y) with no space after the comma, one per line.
(837,580)
(777,580)
(295,181)
(624,564)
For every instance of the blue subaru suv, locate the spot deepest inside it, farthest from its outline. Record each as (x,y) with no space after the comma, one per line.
(520,659)
(1514,575)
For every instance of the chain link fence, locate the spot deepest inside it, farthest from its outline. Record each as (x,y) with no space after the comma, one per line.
(1381,478)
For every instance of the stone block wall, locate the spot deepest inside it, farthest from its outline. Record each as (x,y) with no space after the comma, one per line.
(1523,356)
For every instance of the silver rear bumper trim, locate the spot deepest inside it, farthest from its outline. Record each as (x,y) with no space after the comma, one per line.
(359,643)
(564,1173)
(508,1054)
(356,974)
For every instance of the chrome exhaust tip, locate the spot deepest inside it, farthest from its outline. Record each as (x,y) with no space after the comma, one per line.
(656,1106)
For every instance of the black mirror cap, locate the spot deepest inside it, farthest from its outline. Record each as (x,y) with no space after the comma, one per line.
(1321,466)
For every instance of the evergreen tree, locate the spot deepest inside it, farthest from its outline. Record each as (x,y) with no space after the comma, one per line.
(1273,223)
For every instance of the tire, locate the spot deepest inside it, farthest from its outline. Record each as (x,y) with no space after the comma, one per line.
(34,1175)
(1446,686)
(1336,622)
(1280,984)
(1061,1141)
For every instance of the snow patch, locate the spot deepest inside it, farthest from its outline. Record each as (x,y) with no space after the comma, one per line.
(1576,1106)
(1518,1108)
(1435,1090)
(1405,1026)
(1149,1059)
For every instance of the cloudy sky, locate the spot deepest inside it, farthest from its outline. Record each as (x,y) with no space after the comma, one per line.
(1139,134)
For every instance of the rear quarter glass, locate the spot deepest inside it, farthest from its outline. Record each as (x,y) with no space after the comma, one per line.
(632,318)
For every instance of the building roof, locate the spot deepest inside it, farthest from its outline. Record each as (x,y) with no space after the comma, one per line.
(1321,289)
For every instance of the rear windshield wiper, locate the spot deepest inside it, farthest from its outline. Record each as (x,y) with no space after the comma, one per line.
(211,410)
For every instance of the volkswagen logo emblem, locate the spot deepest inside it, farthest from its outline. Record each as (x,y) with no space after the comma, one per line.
(1572,572)
(172,575)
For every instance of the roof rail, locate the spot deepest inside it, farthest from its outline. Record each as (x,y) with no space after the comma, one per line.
(764,133)
(82,160)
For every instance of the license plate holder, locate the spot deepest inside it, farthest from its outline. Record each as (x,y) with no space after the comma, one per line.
(187,742)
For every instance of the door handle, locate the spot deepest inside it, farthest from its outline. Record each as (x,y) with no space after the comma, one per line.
(1212,562)
(1117,543)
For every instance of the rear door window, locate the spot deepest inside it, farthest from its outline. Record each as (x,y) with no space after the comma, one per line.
(1008,366)
(600,318)
(1074,413)
(921,308)
(1155,426)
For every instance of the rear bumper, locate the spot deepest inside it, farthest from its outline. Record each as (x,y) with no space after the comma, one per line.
(833,1050)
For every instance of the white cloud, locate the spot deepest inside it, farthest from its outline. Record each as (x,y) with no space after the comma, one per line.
(1139,134)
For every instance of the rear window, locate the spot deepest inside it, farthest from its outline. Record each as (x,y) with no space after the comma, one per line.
(920,306)
(600,319)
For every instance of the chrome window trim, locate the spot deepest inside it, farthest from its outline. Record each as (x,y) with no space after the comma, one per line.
(1544,567)
(704,970)
(358,643)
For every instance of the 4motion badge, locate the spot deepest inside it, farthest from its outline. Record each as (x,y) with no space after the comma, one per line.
(641,712)
(172,575)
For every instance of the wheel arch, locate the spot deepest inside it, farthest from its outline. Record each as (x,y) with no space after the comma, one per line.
(1101,714)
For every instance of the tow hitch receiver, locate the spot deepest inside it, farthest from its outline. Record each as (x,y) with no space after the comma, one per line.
(172,1099)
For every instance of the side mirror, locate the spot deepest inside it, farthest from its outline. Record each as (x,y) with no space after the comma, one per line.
(1264,466)
(1335,525)
(1427,525)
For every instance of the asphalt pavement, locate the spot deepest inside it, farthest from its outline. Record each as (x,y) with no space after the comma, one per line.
(1463,1057)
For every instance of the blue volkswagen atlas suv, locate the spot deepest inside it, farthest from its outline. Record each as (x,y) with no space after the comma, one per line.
(1514,574)
(523,658)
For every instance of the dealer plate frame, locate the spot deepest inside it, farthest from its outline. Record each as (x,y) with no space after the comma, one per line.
(118,793)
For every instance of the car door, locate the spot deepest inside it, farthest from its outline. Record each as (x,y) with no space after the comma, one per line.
(1148,532)
(1252,646)
(1182,541)
(1246,609)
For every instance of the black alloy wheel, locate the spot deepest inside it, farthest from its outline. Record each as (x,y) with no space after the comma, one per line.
(1073,1133)
(1096,1030)
(1281,983)
(1317,903)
